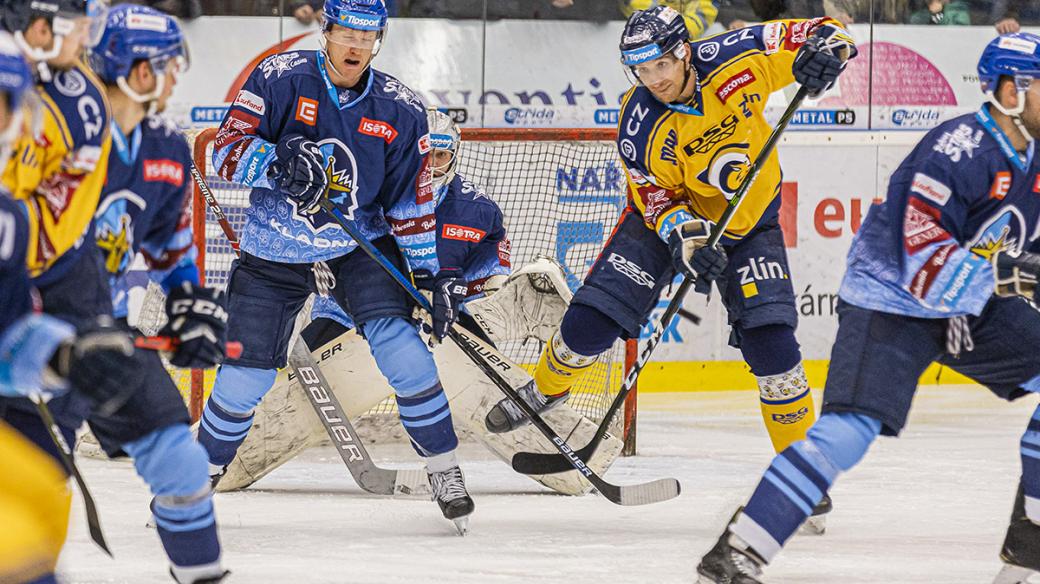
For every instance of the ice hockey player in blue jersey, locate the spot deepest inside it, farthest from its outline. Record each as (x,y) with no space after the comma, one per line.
(944,270)
(471,234)
(313,124)
(144,208)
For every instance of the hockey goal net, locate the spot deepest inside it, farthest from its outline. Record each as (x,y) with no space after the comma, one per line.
(561,192)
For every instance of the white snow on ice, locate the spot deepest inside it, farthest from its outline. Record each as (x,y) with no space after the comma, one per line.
(929,507)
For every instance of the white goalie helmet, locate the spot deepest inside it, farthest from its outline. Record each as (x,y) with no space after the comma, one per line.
(444,137)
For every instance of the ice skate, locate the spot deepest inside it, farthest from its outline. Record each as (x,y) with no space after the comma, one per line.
(506,416)
(449,490)
(1021,551)
(730,562)
(816,524)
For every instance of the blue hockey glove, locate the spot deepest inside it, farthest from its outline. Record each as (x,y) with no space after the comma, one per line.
(198,322)
(448,290)
(1016,275)
(299,171)
(822,58)
(692,256)
(99,363)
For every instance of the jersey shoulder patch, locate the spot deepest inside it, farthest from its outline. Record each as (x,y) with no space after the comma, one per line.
(287,64)
(711,53)
(960,139)
(641,115)
(388,88)
(82,105)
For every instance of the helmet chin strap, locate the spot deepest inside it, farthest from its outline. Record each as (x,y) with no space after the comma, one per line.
(152,98)
(1014,113)
(39,56)
(328,58)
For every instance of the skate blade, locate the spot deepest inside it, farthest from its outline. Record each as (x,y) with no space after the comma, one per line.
(1016,575)
(815,525)
(150,524)
(462,525)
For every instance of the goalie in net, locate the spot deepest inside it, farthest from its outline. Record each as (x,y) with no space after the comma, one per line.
(471,237)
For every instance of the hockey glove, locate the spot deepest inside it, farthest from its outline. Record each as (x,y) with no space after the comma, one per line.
(692,256)
(448,290)
(1016,275)
(299,171)
(98,362)
(822,58)
(199,323)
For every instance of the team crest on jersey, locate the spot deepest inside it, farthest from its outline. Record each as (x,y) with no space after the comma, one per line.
(70,83)
(402,93)
(727,169)
(113,231)
(280,63)
(960,142)
(1003,232)
(342,172)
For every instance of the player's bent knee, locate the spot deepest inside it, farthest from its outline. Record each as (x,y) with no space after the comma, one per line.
(238,390)
(840,439)
(587,330)
(770,350)
(401,355)
(171,462)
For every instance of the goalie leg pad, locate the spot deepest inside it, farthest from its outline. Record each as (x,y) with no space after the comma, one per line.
(800,476)
(175,468)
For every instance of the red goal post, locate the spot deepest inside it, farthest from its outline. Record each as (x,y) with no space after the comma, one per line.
(561,192)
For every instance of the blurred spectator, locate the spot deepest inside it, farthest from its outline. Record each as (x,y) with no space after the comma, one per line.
(594,10)
(952,12)
(1005,15)
(183,9)
(307,12)
(844,11)
(699,14)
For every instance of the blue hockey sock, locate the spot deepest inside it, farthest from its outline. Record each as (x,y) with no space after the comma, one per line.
(427,419)
(799,477)
(221,433)
(45,579)
(1030,449)
(228,414)
(175,468)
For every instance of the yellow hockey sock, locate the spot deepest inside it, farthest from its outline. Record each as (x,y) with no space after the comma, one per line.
(787,406)
(559,366)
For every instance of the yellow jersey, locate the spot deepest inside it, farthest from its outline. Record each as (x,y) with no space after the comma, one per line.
(57,174)
(692,158)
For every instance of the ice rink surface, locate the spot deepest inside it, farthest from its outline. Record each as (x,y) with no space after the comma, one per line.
(930,507)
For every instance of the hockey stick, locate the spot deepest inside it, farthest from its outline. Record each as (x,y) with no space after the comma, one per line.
(336,421)
(540,463)
(233,349)
(475,349)
(65,453)
(367,475)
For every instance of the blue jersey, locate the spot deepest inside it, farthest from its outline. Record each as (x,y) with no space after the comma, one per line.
(145,208)
(471,236)
(374,142)
(14,278)
(962,195)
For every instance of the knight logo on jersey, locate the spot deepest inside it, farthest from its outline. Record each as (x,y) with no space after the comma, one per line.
(112,230)
(342,172)
(727,169)
(164,170)
(377,128)
(462,233)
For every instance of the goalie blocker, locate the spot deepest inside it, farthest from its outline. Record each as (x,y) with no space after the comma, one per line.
(527,307)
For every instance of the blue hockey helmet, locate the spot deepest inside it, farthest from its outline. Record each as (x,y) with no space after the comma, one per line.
(66,17)
(15,75)
(653,33)
(356,14)
(134,34)
(1015,55)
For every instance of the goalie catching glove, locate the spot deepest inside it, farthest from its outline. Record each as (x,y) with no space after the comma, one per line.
(1016,275)
(299,171)
(448,289)
(692,256)
(198,321)
(822,58)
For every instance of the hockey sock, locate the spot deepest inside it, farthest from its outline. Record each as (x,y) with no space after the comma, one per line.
(559,367)
(787,406)
(773,354)
(175,468)
(228,414)
(799,477)
(584,333)
(1030,449)
(427,419)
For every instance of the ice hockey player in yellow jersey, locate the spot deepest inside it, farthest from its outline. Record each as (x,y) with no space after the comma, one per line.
(58,172)
(687,133)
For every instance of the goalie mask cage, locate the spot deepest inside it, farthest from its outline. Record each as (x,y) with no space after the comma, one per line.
(561,193)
